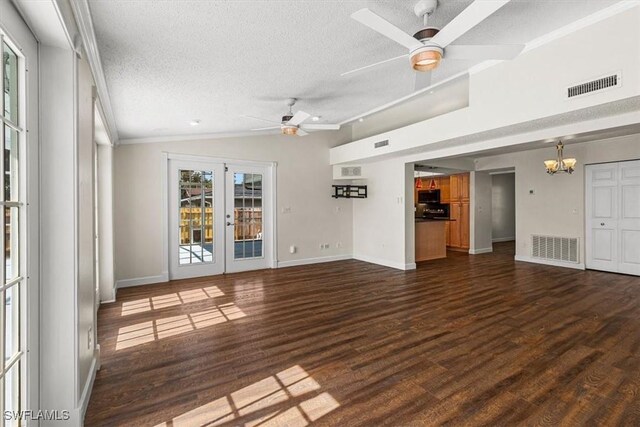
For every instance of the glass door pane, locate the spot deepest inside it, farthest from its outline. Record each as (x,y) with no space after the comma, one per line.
(247,210)
(196,216)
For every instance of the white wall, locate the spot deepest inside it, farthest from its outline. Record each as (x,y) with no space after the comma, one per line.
(503,207)
(480,213)
(379,220)
(85,176)
(67,316)
(556,207)
(106,275)
(304,180)
(57,242)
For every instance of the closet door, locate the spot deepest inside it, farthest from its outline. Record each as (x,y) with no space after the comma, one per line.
(602,217)
(629,220)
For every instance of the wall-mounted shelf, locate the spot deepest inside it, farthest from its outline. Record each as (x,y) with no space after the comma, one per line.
(350,191)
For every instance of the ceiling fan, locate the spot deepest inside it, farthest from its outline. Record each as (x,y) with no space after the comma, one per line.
(430,45)
(291,124)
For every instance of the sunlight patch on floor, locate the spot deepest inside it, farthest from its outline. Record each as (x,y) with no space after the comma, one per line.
(144,332)
(289,398)
(170,300)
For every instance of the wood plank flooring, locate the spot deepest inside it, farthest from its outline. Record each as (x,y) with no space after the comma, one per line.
(466,340)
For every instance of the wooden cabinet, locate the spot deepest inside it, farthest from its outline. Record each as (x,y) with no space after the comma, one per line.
(447,233)
(430,240)
(445,190)
(464,225)
(454,228)
(454,190)
(459,211)
(464,187)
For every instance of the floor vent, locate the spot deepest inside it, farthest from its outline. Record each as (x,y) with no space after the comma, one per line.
(563,249)
(614,80)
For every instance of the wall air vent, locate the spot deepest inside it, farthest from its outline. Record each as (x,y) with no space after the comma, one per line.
(597,85)
(381,144)
(351,171)
(563,249)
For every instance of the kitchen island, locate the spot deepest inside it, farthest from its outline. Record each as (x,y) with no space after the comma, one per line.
(431,241)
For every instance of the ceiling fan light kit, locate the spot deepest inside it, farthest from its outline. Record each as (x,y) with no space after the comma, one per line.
(426,59)
(429,46)
(292,124)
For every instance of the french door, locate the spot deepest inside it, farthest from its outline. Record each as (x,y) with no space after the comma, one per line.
(219,218)
(248,212)
(613,217)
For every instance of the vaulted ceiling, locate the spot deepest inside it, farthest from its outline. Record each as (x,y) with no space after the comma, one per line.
(169,62)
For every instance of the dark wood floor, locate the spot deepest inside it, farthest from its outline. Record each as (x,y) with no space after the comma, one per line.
(467,340)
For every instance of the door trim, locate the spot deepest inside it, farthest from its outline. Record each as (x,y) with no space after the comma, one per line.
(164,188)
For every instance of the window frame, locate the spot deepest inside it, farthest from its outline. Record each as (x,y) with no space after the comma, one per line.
(20,281)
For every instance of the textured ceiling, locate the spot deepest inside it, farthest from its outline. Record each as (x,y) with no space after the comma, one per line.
(168,62)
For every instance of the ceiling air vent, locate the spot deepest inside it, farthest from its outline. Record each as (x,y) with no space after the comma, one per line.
(563,249)
(381,144)
(597,85)
(354,171)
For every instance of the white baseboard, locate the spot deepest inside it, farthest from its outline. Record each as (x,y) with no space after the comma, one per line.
(137,281)
(386,262)
(318,260)
(86,391)
(576,266)
(504,239)
(480,251)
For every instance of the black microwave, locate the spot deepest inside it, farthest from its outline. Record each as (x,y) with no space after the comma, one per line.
(429,196)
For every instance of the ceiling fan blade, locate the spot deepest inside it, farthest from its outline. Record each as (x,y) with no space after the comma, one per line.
(300,132)
(374,65)
(386,28)
(474,14)
(269,128)
(489,51)
(258,118)
(423,79)
(298,118)
(320,126)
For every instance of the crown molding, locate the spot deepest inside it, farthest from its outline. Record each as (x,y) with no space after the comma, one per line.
(82,14)
(198,137)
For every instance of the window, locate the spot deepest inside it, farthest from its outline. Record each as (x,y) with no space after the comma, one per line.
(11,245)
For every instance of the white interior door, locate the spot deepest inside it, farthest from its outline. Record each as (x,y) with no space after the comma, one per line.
(248,218)
(613,217)
(629,222)
(602,217)
(196,219)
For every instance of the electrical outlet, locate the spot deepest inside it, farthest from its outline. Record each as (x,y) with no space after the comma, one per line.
(339,245)
(286,210)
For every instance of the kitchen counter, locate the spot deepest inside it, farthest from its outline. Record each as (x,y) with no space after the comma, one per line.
(431,239)
(420,219)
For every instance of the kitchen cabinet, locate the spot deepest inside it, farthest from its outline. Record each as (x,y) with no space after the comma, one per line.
(459,211)
(445,189)
(430,240)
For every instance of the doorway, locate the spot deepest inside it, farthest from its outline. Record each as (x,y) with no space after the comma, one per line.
(220,217)
(503,211)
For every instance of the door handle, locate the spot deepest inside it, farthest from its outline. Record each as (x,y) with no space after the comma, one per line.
(229,223)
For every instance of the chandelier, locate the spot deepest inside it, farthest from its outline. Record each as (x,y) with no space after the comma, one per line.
(560,164)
